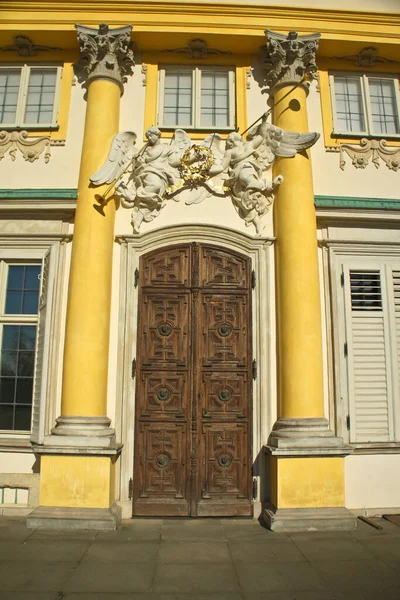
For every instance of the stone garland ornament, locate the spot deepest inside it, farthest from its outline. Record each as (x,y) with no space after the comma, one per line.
(31,148)
(145,180)
(370,149)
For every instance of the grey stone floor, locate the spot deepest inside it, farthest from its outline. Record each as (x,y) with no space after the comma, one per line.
(222,559)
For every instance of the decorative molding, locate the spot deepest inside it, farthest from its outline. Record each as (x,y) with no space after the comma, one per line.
(370,149)
(24,47)
(289,59)
(367,57)
(38,193)
(332,149)
(350,202)
(197,49)
(58,142)
(104,54)
(145,68)
(31,148)
(249,76)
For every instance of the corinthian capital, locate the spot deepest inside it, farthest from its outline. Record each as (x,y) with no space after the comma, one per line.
(288,59)
(104,54)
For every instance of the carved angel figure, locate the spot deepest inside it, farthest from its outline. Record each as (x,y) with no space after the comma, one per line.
(143,188)
(244,162)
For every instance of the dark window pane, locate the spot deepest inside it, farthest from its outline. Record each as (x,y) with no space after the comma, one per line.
(7,387)
(32,281)
(30,303)
(8,363)
(13,302)
(27,338)
(10,337)
(6,417)
(15,277)
(24,390)
(25,363)
(23,418)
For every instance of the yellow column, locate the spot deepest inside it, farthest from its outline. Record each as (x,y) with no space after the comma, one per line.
(78,472)
(298,294)
(89,296)
(306,465)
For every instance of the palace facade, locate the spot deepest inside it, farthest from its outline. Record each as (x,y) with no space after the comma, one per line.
(199,261)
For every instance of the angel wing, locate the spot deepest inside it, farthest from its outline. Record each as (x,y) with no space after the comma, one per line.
(279,142)
(217,146)
(121,153)
(180,141)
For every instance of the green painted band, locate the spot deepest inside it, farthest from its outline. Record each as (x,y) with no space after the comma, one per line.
(39,193)
(351,202)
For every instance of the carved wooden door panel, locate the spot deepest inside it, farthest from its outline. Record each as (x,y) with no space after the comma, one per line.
(193,394)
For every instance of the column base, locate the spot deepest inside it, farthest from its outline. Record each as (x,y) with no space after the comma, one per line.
(66,518)
(82,431)
(303,433)
(287,520)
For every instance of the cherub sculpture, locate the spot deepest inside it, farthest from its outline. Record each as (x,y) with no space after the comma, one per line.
(243,163)
(235,168)
(153,170)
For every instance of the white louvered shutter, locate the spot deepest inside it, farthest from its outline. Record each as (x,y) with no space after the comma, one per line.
(368,354)
(40,384)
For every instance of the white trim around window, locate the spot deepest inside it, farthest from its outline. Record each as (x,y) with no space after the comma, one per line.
(200,97)
(365,104)
(29,95)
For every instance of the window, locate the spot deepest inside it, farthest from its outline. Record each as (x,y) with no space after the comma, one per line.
(29,96)
(372,349)
(365,105)
(196,98)
(19,318)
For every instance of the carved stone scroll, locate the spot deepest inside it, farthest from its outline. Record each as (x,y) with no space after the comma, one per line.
(288,59)
(367,57)
(31,148)
(104,54)
(370,149)
(198,49)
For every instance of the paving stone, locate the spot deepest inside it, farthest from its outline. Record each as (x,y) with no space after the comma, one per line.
(195,578)
(44,550)
(261,577)
(126,551)
(238,528)
(14,529)
(106,577)
(194,530)
(34,576)
(338,549)
(389,594)
(135,530)
(259,549)
(194,552)
(364,530)
(357,574)
(78,534)
(29,596)
(385,548)
(206,596)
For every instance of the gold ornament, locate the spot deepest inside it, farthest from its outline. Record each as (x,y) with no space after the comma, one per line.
(195,165)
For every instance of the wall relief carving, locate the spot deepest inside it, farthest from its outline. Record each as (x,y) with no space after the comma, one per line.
(23,46)
(197,49)
(146,180)
(374,150)
(31,148)
(367,57)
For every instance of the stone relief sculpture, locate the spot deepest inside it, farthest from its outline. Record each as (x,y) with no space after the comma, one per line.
(147,179)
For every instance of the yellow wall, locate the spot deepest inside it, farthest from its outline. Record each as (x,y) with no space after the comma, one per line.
(77,481)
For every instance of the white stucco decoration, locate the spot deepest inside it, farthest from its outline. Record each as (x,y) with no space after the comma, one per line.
(147,179)
(370,149)
(31,148)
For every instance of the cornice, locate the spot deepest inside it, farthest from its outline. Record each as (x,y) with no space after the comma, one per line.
(62,11)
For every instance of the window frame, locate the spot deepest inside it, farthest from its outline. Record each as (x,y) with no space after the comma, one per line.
(367,113)
(196,71)
(18,319)
(26,70)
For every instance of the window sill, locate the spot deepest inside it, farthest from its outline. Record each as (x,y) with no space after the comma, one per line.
(196,133)
(29,128)
(16,445)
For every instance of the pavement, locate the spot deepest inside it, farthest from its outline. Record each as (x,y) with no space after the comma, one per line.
(210,559)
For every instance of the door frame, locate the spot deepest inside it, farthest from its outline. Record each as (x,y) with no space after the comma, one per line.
(264,415)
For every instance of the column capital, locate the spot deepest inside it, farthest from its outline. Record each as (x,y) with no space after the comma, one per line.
(104,54)
(288,59)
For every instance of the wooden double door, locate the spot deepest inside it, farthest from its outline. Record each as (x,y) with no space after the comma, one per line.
(193,384)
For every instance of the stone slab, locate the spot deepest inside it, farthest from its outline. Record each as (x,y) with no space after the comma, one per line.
(308,519)
(60,518)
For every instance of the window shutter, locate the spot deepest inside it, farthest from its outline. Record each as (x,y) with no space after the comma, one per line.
(367,331)
(40,385)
